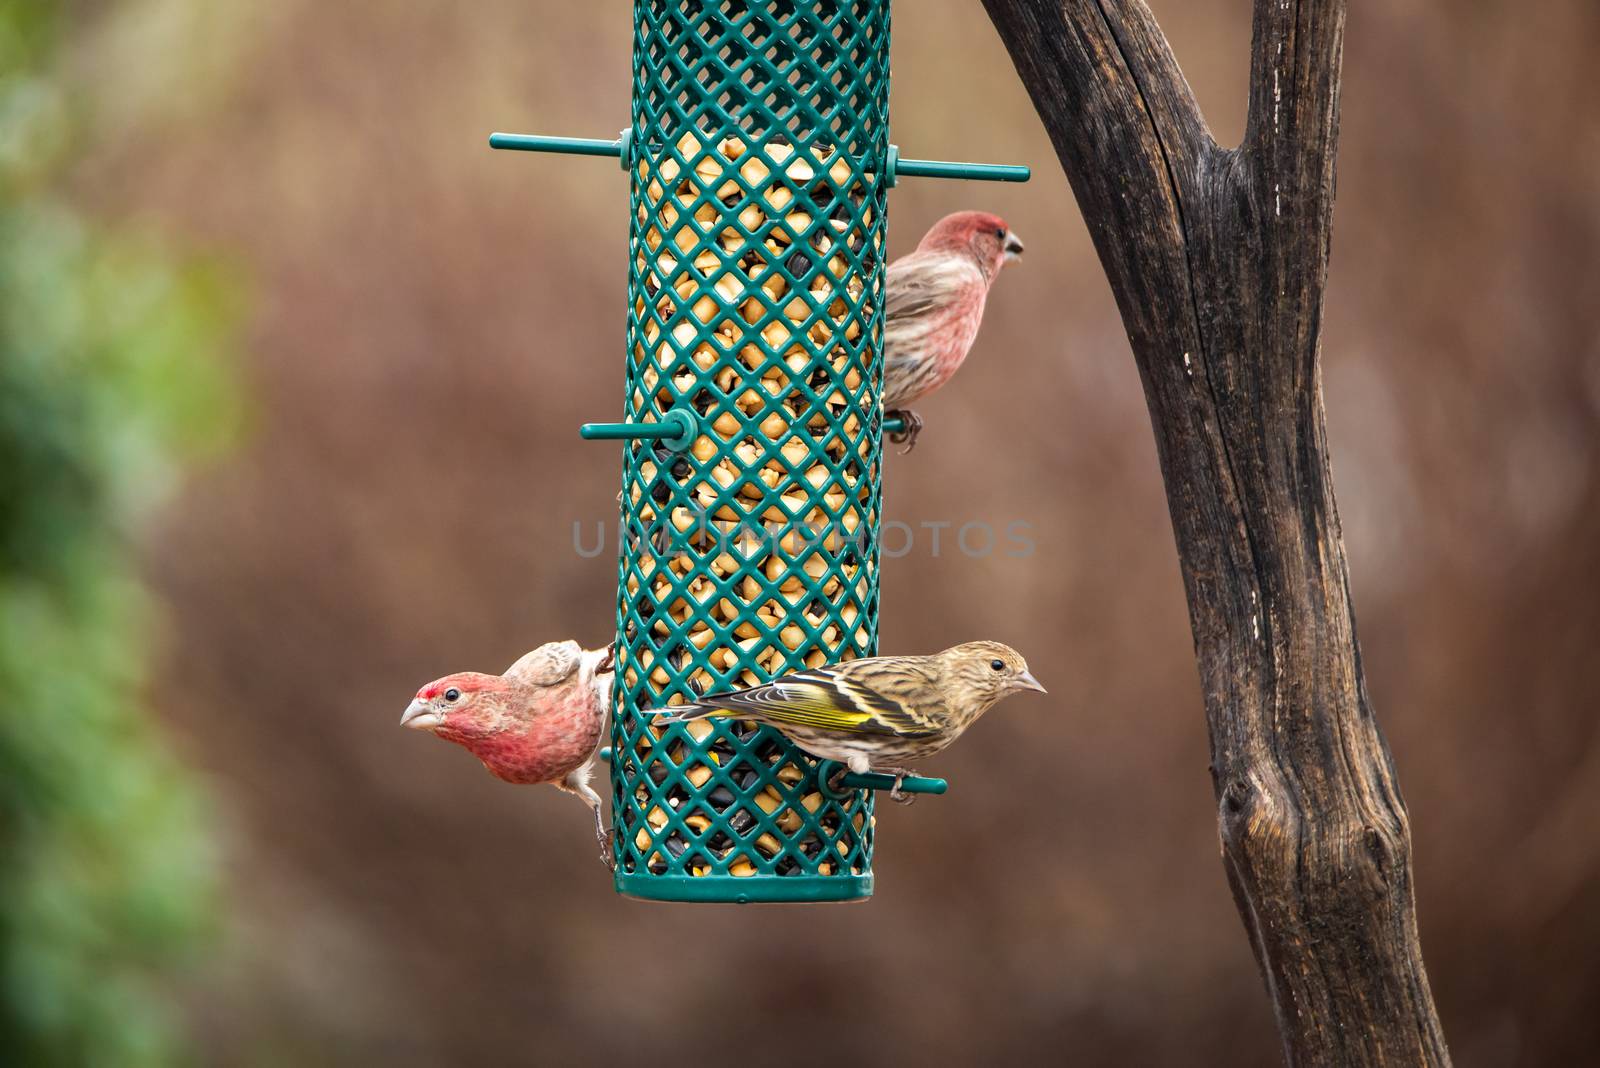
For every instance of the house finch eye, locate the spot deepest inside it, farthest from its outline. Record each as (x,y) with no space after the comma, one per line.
(998,665)
(452,694)
(1000,234)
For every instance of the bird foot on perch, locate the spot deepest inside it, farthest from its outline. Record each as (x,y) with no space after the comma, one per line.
(896,794)
(908,434)
(607,857)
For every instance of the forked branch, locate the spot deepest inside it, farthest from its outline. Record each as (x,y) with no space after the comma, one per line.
(1218,260)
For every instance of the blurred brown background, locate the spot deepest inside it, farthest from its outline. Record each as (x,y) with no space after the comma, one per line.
(431,321)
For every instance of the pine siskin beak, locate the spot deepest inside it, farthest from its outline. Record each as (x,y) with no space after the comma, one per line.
(420,716)
(1012,247)
(1026,681)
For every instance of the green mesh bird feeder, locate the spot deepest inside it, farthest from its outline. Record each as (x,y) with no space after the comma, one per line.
(759,162)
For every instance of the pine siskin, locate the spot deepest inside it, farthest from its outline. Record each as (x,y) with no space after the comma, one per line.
(540,722)
(933,305)
(878,713)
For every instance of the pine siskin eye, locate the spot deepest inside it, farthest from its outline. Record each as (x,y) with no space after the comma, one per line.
(998,665)
(452,694)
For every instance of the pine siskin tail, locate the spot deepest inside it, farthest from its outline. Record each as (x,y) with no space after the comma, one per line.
(685,713)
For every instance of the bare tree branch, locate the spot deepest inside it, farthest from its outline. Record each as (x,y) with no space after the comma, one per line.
(1218,260)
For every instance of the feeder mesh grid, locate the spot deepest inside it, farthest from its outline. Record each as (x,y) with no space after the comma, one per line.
(755,282)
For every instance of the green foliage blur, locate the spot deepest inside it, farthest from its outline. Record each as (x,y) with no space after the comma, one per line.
(109,379)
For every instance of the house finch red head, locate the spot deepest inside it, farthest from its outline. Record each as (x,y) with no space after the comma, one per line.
(877,713)
(540,722)
(933,304)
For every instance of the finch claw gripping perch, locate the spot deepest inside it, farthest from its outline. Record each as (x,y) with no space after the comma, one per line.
(907,435)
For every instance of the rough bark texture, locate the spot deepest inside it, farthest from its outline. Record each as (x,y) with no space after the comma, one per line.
(1218,259)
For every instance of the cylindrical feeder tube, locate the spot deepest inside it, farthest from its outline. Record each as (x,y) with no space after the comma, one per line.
(755,295)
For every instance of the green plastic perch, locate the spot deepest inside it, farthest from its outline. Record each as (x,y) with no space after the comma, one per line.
(897,168)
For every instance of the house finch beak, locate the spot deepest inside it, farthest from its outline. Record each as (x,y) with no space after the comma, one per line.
(878,713)
(540,722)
(933,304)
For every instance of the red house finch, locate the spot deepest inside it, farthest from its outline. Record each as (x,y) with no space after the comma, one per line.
(881,712)
(933,304)
(540,722)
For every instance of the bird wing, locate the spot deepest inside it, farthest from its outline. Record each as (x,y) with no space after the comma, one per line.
(841,698)
(921,283)
(547,665)
(931,302)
